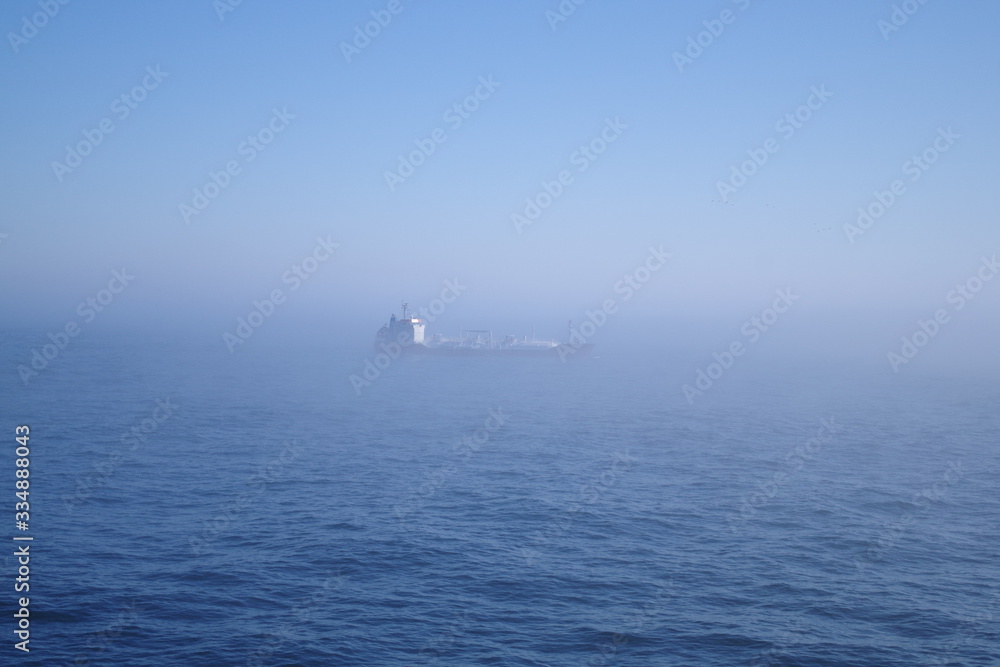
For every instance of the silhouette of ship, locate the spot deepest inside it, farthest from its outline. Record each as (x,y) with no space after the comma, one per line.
(407,333)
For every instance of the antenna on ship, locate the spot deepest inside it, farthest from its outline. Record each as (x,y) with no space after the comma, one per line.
(405,306)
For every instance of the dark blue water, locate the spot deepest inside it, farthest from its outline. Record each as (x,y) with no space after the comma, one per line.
(192,507)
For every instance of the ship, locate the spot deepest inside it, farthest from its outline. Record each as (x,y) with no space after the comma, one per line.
(407,335)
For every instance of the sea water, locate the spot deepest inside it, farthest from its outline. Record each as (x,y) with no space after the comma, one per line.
(191,506)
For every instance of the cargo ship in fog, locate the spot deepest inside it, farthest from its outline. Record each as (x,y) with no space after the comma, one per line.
(408,333)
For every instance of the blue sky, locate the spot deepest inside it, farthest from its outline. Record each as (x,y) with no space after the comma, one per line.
(656,184)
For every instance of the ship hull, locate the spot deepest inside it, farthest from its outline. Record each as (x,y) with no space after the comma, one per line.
(563,351)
